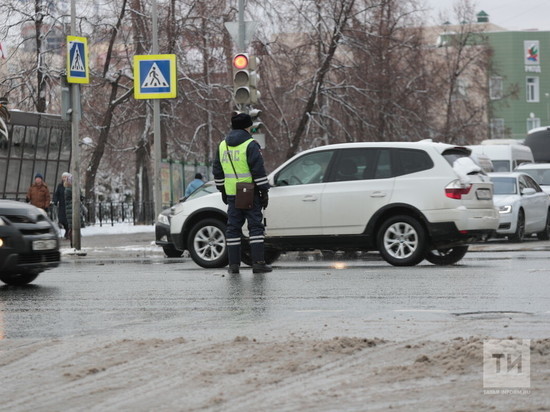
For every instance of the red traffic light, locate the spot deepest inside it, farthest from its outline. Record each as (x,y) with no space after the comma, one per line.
(240,61)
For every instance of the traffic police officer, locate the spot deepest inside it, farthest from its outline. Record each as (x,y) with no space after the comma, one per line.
(244,152)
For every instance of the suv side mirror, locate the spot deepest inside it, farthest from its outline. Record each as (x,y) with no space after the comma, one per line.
(528,191)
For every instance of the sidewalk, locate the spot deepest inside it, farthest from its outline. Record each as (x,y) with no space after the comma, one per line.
(119,241)
(132,242)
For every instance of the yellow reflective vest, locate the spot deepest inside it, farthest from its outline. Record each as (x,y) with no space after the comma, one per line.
(237,155)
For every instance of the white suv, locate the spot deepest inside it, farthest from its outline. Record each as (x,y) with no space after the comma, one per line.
(409,201)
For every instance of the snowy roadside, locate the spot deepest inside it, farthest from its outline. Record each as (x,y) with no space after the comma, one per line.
(119,240)
(249,374)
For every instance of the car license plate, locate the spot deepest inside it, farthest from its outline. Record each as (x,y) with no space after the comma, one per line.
(44,244)
(483,194)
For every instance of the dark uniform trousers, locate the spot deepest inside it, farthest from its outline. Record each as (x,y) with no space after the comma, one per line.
(235,221)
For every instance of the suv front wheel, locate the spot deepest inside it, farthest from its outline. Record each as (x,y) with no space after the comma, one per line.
(19,279)
(206,244)
(402,241)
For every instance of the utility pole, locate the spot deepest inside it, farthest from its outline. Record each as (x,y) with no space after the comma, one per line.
(241,41)
(75,147)
(156,124)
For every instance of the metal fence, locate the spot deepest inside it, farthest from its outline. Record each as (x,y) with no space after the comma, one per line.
(109,213)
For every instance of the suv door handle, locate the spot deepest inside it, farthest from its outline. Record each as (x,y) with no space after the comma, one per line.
(378,194)
(309,198)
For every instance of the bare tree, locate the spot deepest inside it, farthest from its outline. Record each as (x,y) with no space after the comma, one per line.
(111,80)
(459,69)
(36,33)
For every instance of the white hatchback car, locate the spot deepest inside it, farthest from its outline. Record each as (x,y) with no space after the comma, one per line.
(524,207)
(404,199)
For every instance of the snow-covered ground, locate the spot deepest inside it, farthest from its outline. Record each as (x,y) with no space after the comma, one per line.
(117,229)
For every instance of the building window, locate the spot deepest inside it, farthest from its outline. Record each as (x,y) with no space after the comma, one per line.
(533,123)
(495,88)
(461,89)
(533,89)
(497,128)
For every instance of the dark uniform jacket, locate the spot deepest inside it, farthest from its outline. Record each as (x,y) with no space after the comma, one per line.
(253,157)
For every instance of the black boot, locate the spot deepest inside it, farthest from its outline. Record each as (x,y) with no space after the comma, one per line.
(233,269)
(261,267)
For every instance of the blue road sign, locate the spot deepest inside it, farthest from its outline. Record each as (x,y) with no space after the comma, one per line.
(155,76)
(77,60)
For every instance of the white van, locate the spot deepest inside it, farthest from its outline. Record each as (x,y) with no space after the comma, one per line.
(506,155)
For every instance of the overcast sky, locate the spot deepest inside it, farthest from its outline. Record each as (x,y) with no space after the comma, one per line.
(510,14)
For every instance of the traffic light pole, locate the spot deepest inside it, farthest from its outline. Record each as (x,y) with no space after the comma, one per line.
(241,39)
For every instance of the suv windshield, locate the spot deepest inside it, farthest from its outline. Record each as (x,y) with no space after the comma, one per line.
(203,190)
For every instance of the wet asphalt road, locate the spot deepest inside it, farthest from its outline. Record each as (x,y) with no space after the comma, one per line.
(488,293)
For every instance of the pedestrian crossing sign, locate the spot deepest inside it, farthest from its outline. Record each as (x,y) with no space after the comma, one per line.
(77,60)
(155,76)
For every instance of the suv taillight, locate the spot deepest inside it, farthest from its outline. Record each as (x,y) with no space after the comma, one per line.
(457,192)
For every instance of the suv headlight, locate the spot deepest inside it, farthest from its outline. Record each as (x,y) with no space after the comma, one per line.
(163,219)
(505,209)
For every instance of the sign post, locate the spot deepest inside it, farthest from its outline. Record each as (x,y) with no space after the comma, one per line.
(77,73)
(155,78)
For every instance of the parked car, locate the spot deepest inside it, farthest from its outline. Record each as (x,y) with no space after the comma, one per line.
(162,225)
(410,201)
(524,208)
(29,242)
(538,171)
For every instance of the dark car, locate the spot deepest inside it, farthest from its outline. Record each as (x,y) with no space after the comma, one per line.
(162,225)
(29,243)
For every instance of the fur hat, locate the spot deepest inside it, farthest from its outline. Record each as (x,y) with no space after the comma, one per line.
(241,121)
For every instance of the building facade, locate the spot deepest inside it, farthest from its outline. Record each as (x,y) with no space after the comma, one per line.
(519,85)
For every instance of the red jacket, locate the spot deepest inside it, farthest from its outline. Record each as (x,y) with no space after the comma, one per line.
(39,195)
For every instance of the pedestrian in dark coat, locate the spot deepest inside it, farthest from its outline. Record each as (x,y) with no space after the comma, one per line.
(59,201)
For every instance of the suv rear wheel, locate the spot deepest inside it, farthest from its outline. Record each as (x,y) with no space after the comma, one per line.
(447,256)
(206,244)
(402,241)
(270,255)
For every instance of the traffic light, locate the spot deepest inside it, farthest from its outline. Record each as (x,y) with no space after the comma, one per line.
(241,90)
(245,79)
(256,122)
(257,125)
(254,77)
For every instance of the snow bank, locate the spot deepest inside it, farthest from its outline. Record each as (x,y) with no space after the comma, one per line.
(116,229)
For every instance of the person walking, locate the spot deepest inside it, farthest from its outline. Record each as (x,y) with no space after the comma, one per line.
(68,185)
(194,185)
(39,194)
(239,159)
(59,201)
